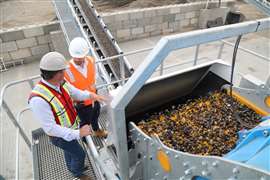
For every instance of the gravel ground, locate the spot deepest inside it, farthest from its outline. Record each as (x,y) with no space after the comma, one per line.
(15,13)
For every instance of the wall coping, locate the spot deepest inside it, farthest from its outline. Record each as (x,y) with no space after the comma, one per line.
(5,30)
(163,7)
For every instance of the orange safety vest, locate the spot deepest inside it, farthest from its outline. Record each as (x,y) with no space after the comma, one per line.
(78,80)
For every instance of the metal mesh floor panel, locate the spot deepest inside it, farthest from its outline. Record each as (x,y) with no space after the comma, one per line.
(49,160)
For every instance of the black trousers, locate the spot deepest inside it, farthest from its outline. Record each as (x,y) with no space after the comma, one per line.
(89,115)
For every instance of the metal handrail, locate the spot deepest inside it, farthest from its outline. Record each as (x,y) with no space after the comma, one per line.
(109,175)
(19,115)
(4,105)
(3,91)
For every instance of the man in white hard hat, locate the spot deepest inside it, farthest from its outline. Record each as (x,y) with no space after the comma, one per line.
(51,101)
(81,74)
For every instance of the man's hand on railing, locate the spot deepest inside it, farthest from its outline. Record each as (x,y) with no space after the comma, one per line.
(85,131)
(99,98)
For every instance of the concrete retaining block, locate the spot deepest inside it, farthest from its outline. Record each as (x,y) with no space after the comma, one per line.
(51,27)
(169,18)
(8,46)
(184,22)
(144,35)
(145,21)
(59,43)
(179,17)
(122,16)
(190,15)
(164,25)
(137,30)
(32,58)
(126,25)
(12,36)
(36,31)
(167,31)
(194,21)
(157,20)
(41,49)
(174,25)
(136,15)
(162,11)
(150,13)
(21,53)
(25,43)
(5,56)
(150,28)
(44,39)
(175,10)
(212,14)
(123,33)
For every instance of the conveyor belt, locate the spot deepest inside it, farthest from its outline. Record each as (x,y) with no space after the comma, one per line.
(48,160)
(102,43)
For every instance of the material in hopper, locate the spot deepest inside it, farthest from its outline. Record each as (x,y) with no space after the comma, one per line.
(204,126)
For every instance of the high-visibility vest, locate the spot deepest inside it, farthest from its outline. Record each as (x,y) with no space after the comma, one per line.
(78,80)
(61,104)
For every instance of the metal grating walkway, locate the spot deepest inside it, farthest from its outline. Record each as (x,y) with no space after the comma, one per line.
(49,160)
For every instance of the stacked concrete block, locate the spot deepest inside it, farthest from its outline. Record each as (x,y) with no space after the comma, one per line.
(59,43)
(31,32)
(27,43)
(133,24)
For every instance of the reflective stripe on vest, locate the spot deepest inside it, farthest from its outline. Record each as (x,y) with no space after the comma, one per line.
(57,107)
(78,80)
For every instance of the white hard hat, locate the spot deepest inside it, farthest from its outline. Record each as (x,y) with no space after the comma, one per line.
(53,61)
(78,47)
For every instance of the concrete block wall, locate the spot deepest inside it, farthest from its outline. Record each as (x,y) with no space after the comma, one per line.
(141,23)
(26,44)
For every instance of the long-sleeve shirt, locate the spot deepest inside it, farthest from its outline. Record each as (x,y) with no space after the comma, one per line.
(43,112)
(82,69)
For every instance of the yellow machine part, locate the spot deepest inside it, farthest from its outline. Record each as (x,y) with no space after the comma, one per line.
(164,161)
(250,104)
(267,101)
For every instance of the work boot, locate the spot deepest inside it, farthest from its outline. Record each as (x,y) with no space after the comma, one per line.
(101,133)
(84,177)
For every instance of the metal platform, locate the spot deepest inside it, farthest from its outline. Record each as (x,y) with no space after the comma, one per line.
(48,160)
